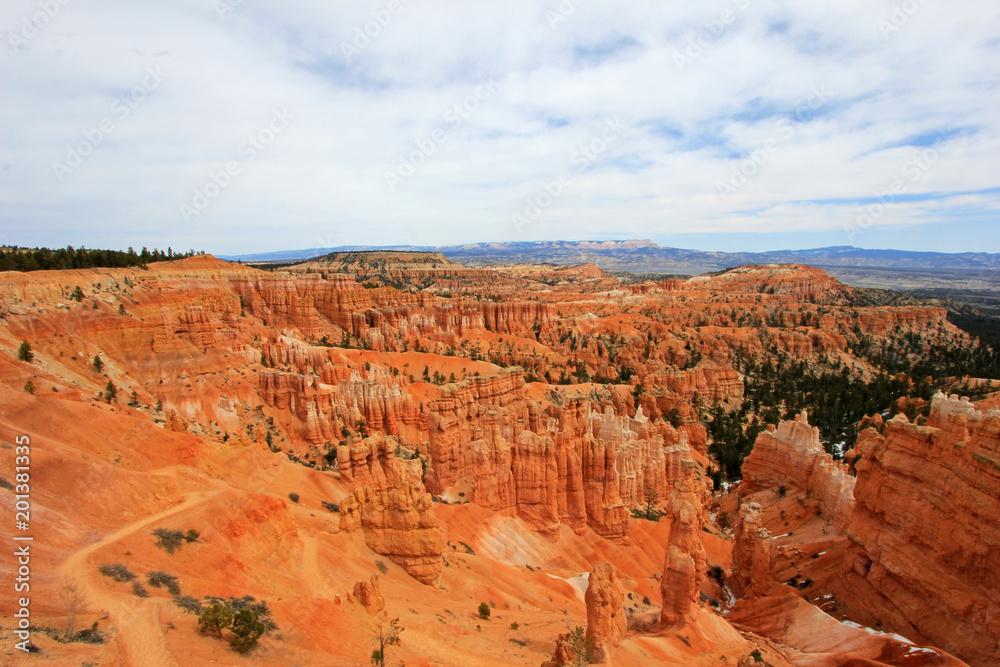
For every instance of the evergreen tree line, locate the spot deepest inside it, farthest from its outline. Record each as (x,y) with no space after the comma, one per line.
(920,355)
(13,258)
(836,401)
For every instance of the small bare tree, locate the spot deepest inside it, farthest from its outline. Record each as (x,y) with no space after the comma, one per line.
(388,635)
(652,497)
(73,604)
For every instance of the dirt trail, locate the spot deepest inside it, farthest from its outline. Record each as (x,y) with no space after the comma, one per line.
(136,621)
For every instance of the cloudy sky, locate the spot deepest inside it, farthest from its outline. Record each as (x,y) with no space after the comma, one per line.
(253,125)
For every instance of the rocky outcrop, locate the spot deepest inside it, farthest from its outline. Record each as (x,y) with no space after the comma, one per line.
(787,279)
(566,651)
(369,594)
(685,565)
(470,412)
(753,554)
(925,528)
(379,399)
(370,462)
(678,587)
(606,621)
(793,457)
(193,324)
(550,468)
(391,506)
(712,383)
(375,397)
(685,534)
(514,317)
(399,524)
(880,321)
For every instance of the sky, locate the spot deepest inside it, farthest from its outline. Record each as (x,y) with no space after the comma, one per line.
(239,126)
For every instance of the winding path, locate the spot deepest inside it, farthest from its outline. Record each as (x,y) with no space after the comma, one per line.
(138,633)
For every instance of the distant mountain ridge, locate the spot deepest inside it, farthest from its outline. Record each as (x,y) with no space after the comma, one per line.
(645,256)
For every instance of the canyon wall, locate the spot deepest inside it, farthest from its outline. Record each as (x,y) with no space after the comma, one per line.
(566,464)
(925,528)
(792,456)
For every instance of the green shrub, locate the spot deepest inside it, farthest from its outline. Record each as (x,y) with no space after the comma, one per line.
(188,603)
(214,619)
(89,636)
(246,629)
(168,540)
(116,571)
(159,579)
(24,352)
(484,611)
(192,535)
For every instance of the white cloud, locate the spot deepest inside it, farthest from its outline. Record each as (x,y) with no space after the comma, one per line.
(740,90)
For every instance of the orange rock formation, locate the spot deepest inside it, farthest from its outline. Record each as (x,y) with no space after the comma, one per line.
(473,435)
(605,615)
(792,456)
(924,557)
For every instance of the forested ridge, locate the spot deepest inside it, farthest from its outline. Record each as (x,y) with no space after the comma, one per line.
(13,258)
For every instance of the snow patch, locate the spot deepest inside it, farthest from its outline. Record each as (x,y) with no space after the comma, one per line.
(580,583)
(891,635)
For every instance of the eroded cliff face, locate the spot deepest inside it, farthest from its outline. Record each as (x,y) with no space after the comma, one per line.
(390,504)
(567,465)
(792,456)
(324,396)
(925,528)
(384,318)
(399,524)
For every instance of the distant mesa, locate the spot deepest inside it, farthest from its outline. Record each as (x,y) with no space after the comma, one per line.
(645,256)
